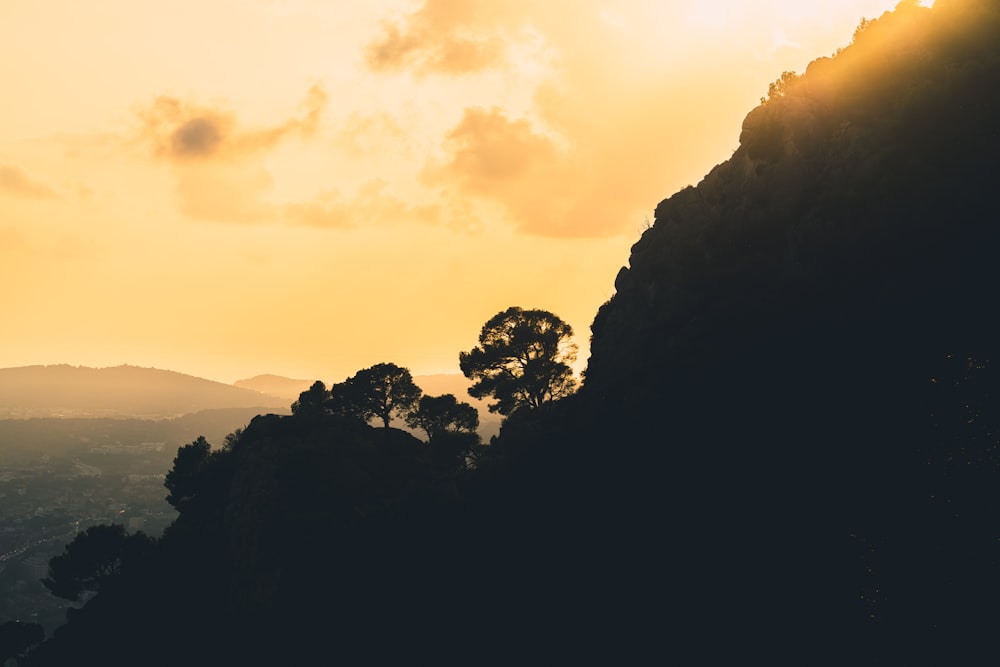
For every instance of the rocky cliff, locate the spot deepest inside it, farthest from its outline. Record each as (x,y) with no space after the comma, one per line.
(796,359)
(860,202)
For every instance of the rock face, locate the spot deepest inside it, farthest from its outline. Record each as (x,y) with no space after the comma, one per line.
(782,347)
(860,196)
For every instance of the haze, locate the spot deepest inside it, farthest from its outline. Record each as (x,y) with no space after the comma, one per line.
(307,188)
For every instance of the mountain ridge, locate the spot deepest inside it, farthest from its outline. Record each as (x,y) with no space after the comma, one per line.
(125,390)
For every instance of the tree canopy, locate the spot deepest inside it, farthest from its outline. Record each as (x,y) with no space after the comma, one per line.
(383,390)
(523,360)
(443,414)
(312,400)
(93,559)
(347,399)
(182,479)
(387,390)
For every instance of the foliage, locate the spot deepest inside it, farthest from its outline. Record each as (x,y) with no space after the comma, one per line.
(94,558)
(522,360)
(456,450)
(311,401)
(232,440)
(347,399)
(863,25)
(382,391)
(182,480)
(443,414)
(780,86)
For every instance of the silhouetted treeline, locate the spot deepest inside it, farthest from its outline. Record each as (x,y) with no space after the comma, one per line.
(784,450)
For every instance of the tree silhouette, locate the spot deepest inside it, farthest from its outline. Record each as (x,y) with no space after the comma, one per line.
(232,440)
(522,360)
(780,86)
(443,414)
(182,480)
(311,401)
(347,399)
(382,391)
(93,559)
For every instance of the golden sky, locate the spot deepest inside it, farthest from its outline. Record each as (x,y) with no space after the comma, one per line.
(309,187)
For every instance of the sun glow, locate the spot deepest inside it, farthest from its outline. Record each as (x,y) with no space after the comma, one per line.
(307,189)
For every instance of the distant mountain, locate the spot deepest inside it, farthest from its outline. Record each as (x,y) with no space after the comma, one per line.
(120,391)
(288,390)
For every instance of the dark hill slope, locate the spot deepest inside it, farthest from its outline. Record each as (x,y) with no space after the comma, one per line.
(292,542)
(798,338)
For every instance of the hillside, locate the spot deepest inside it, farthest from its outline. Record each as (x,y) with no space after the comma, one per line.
(811,328)
(120,391)
(785,449)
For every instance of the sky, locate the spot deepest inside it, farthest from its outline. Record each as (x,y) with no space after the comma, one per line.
(308,187)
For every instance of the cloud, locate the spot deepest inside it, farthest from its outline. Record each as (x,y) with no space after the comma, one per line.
(491,155)
(443,37)
(225,193)
(313,107)
(371,204)
(622,111)
(582,155)
(182,131)
(185,132)
(14,181)
(544,188)
(217,161)
(220,175)
(197,137)
(365,135)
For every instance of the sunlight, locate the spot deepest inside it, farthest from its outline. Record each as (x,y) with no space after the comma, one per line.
(716,16)
(319,161)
